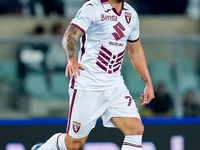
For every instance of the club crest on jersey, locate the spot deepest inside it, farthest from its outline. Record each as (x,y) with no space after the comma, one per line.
(76,126)
(128,17)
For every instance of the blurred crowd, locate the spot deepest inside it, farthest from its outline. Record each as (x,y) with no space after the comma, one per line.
(45,58)
(40,59)
(58,6)
(163,103)
(18,6)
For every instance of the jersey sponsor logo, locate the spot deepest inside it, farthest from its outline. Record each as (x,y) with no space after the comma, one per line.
(118,34)
(128,17)
(108,17)
(108,61)
(116,44)
(76,126)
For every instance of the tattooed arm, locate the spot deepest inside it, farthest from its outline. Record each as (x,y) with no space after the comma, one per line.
(71,37)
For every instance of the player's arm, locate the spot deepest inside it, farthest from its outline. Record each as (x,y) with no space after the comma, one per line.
(70,39)
(138,60)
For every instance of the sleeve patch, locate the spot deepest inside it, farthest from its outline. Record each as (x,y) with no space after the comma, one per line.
(77,16)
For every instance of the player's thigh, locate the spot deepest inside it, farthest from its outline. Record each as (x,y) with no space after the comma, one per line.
(85,108)
(129,125)
(122,105)
(73,143)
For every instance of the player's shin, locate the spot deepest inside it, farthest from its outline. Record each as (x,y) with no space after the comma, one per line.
(56,142)
(132,142)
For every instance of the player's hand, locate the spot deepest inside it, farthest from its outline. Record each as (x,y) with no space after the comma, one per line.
(73,67)
(148,94)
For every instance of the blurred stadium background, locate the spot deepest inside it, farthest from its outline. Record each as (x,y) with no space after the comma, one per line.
(32,63)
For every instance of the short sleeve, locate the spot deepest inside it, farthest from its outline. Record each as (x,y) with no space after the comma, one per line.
(85,17)
(134,36)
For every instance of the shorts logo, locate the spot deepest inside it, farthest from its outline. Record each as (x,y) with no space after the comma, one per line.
(76,126)
(128,17)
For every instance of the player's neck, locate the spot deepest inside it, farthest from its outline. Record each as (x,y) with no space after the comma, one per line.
(117,4)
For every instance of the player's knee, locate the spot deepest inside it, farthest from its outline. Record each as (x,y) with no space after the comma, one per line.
(135,128)
(74,144)
(140,129)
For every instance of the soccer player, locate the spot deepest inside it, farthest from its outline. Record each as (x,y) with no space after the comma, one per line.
(105,28)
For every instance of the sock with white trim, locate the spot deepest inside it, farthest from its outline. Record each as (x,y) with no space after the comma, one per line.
(56,142)
(132,142)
